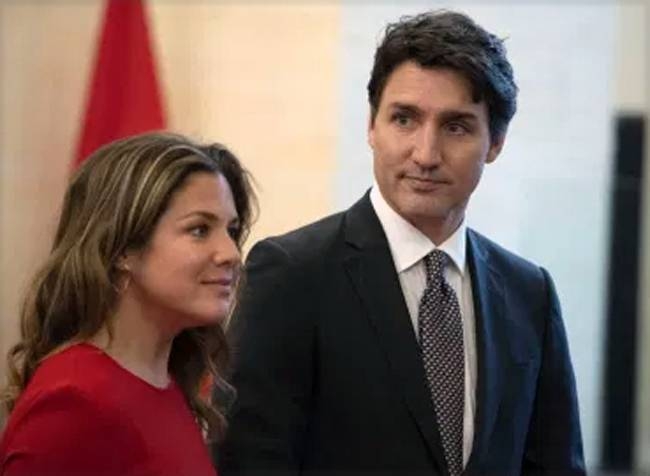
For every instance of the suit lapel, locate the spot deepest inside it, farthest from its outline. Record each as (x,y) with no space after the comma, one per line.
(491,344)
(370,267)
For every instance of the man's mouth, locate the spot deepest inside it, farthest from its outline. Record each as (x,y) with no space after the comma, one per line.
(425,183)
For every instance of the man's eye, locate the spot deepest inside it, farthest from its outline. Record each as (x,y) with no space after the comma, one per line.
(402,120)
(199,231)
(457,128)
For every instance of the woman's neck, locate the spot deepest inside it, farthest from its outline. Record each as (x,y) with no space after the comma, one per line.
(138,343)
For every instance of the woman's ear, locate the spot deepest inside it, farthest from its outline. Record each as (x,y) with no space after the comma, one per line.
(123,263)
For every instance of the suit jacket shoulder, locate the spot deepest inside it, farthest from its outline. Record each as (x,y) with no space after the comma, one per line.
(500,256)
(310,241)
(531,280)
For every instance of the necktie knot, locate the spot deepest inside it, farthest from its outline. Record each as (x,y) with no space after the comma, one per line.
(435,263)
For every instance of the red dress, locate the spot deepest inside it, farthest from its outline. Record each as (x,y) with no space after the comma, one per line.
(83,414)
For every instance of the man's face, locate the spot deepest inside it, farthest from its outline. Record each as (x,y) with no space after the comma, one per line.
(430,142)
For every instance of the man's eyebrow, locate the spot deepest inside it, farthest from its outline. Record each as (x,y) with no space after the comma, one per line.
(406,107)
(446,115)
(456,115)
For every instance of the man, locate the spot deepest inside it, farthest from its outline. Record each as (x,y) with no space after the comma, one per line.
(391,338)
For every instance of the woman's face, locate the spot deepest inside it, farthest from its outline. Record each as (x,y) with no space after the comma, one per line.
(187,274)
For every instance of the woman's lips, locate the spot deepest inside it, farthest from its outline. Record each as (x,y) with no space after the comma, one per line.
(226,282)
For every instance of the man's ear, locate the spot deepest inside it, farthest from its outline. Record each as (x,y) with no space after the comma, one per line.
(371,130)
(496,146)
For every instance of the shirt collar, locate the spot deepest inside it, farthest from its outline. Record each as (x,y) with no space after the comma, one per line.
(409,245)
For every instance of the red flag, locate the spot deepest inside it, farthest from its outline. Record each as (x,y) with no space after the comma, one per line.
(124,97)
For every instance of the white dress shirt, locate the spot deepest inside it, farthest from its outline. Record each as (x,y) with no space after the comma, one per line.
(409,246)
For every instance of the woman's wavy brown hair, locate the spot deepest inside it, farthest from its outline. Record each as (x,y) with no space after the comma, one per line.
(112,206)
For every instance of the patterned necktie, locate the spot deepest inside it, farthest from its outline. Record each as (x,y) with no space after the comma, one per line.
(441,343)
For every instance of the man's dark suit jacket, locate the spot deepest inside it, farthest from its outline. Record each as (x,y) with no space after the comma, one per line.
(329,374)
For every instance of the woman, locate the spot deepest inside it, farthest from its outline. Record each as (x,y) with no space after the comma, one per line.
(123,322)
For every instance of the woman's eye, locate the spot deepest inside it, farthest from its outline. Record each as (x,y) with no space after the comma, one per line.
(234,232)
(199,231)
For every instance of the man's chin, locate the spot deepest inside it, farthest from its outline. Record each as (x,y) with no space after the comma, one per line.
(421,219)
(423,209)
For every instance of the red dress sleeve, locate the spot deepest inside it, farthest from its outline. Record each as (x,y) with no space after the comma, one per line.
(64,431)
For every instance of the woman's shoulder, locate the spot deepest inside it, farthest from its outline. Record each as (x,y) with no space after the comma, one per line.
(74,381)
(72,356)
(59,418)
(77,381)
(78,367)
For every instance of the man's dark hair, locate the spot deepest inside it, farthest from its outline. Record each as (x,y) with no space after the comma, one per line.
(445,39)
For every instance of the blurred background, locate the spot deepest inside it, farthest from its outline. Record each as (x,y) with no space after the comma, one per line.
(283,85)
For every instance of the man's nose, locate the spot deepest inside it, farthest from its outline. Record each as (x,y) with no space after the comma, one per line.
(427,152)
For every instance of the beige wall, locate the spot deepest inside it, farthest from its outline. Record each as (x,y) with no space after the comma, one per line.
(44,65)
(259,78)
(631,57)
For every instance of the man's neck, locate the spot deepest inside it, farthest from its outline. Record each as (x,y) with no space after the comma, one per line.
(439,231)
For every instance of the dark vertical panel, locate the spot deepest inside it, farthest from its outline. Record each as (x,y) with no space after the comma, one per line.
(623,287)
